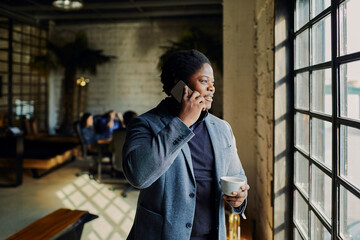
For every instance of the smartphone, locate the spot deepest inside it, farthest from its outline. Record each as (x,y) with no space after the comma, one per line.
(178,90)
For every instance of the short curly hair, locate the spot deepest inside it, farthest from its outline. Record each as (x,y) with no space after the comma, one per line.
(180,66)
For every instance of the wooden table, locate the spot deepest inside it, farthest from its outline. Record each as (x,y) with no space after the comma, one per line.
(60,224)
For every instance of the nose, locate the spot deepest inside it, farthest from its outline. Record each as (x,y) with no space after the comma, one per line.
(211,87)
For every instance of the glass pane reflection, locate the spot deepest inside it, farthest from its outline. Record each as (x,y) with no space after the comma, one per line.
(302,172)
(302,50)
(321,192)
(350,90)
(317,6)
(297,235)
(301,214)
(321,141)
(321,96)
(302,91)
(301,13)
(349,154)
(349,36)
(321,41)
(318,231)
(302,131)
(349,215)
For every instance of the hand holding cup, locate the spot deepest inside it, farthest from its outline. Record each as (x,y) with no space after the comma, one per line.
(234,189)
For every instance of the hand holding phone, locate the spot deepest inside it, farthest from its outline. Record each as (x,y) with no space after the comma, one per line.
(192,103)
(178,90)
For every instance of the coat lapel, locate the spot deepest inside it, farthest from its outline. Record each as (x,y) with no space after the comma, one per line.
(214,135)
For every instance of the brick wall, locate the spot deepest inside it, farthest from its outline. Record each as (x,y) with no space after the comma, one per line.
(248,100)
(264,12)
(132,81)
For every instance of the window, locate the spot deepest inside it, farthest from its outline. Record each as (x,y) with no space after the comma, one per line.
(28,95)
(326,195)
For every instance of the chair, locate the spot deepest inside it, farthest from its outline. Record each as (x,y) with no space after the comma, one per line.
(85,150)
(98,154)
(118,140)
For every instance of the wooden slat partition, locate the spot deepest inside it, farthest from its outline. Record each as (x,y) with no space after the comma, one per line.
(50,225)
(44,164)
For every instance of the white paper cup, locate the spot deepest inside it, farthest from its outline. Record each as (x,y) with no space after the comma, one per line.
(231,184)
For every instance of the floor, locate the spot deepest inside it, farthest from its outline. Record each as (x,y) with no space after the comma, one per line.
(36,198)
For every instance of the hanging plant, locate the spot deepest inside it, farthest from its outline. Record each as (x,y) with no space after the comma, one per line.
(72,57)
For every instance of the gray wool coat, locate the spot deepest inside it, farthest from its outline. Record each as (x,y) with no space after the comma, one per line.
(157,160)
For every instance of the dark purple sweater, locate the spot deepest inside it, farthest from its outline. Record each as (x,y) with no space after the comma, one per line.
(202,155)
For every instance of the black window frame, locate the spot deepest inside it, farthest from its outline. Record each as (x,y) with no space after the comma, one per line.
(36,88)
(335,119)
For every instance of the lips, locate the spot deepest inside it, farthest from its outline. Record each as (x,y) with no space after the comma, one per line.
(208,98)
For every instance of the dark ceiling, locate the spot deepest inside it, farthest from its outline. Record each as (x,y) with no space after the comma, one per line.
(110,10)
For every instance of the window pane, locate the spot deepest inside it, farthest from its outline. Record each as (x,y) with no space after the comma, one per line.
(16,57)
(297,235)
(302,172)
(302,91)
(4,66)
(317,6)
(350,90)
(321,141)
(349,154)
(4,33)
(321,41)
(318,231)
(4,55)
(302,50)
(349,27)
(349,215)
(4,44)
(302,131)
(301,13)
(321,97)
(301,213)
(321,191)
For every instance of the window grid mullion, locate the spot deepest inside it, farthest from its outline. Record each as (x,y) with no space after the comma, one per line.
(349,186)
(318,66)
(313,20)
(348,122)
(335,127)
(320,116)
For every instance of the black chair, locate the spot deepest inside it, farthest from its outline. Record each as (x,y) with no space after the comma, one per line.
(85,152)
(118,140)
(98,153)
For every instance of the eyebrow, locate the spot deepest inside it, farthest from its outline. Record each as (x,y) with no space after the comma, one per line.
(207,77)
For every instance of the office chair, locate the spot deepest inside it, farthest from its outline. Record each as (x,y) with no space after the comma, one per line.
(85,151)
(118,139)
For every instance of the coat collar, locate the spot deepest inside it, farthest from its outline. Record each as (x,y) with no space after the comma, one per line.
(168,109)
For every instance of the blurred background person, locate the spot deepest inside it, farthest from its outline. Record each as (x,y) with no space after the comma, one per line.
(108,122)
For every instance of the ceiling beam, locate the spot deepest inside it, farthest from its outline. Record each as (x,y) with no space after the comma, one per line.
(124,5)
(22,17)
(74,16)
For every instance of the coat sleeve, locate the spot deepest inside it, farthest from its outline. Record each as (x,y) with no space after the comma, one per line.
(236,169)
(148,154)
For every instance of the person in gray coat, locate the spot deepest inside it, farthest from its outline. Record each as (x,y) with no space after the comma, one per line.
(176,153)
